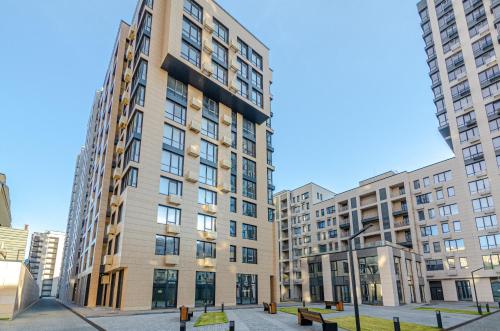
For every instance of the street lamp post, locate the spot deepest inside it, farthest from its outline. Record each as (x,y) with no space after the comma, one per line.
(353,278)
(474,285)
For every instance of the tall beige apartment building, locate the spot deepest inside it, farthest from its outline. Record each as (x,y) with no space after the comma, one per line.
(45,260)
(174,192)
(5,216)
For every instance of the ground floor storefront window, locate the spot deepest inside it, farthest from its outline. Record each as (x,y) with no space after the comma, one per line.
(205,288)
(464,292)
(164,288)
(495,289)
(246,289)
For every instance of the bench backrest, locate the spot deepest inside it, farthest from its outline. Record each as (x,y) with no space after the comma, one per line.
(330,302)
(311,315)
(266,305)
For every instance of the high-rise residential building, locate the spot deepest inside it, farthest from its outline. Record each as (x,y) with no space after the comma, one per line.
(5,215)
(45,260)
(178,207)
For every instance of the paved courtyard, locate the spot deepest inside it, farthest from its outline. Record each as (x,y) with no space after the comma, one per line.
(48,314)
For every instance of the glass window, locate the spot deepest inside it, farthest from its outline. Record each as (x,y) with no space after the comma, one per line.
(205,250)
(206,223)
(191,32)
(190,53)
(208,151)
(208,175)
(207,197)
(249,147)
(220,31)
(172,163)
(256,59)
(486,222)
(209,128)
(173,137)
(175,112)
(176,89)
(168,215)
(249,231)
(232,228)
(249,255)
(193,9)
(249,209)
(166,245)
(232,253)
(170,186)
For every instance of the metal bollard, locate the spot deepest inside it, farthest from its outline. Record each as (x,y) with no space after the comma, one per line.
(439,321)
(487,307)
(397,327)
(183,326)
(223,307)
(205,308)
(303,303)
(231,325)
(479,310)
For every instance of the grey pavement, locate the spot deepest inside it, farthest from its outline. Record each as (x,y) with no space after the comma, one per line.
(46,315)
(488,323)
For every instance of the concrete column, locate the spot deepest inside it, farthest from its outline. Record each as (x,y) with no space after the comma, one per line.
(356,272)
(327,277)
(304,269)
(387,276)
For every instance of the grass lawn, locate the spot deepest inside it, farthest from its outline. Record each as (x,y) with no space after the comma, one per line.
(378,324)
(216,317)
(293,310)
(453,311)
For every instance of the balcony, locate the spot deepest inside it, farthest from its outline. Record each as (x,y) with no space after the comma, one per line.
(402,211)
(171,259)
(406,243)
(369,219)
(402,223)
(285,247)
(345,225)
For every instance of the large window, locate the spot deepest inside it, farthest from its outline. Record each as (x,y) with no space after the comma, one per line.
(249,255)
(175,112)
(176,89)
(191,32)
(434,265)
(164,289)
(454,245)
(208,175)
(208,151)
(205,250)
(246,289)
(209,128)
(249,209)
(219,72)
(249,147)
(249,231)
(168,215)
(166,245)
(130,178)
(430,230)
(472,151)
(207,197)
(220,31)
(172,162)
(475,168)
(489,241)
(249,168)
(249,189)
(448,210)
(193,9)
(170,186)
(442,177)
(486,222)
(173,137)
(206,223)
(482,204)
(205,288)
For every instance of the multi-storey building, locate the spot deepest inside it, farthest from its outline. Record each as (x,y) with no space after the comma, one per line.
(5,215)
(179,208)
(45,260)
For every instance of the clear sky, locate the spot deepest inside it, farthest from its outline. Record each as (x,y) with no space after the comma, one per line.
(352,96)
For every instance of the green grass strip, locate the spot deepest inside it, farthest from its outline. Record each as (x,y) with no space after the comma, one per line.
(211,318)
(452,311)
(377,324)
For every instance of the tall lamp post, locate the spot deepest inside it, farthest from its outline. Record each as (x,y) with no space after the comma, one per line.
(353,277)
(474,285)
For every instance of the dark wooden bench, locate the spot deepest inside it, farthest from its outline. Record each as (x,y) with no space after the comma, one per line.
(185,314)
(270,307)
(266,306)
(306,317)
(330,304)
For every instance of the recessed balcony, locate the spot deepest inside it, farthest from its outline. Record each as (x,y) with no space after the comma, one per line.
(345,225)
(369,219)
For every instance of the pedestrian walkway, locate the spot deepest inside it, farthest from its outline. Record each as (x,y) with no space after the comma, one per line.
(46,315)
(488,323)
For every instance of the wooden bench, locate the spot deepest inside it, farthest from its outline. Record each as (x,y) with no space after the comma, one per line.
(306,317)
(185,314)
(270,307)
(266,306)
(329,304)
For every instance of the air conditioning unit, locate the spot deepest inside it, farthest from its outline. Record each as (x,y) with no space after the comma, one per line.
(127,76)
(225,164)
(115,200)
(194,150)
(233,87)
(171,259)
(117,174)
(207,24)
(125,98)
(207,46)
(173,199)
(132,33)
(226,119)
(191,176)
(233,45)
(108,260)
(122,123)
(224,187)
(209,208)
(196,103)
(206,68)
(209,235)
(129,54)
(105,279)
(234,65)
(111,229)
(173,229)
(207,262)
(120,147)
(226,141)
(194,126)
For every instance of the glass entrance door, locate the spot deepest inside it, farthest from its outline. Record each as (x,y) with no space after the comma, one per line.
(205,288)
(164,289)
(246,289)
(342,293)
(436,290)
(495,288)
(464,292)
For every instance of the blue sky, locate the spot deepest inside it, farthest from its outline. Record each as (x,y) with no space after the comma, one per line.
(352,96)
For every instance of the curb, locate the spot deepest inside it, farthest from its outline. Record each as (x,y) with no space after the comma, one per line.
(97,327)
(470,321)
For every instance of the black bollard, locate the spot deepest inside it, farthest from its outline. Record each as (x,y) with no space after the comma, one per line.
(223,307)
(479,310)
(183,326)
(303,303)
(231,325)
(439,321)
(487,307)
(397,327)
(205,308)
